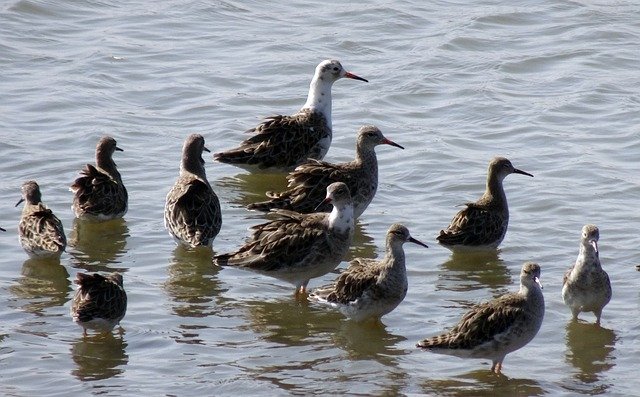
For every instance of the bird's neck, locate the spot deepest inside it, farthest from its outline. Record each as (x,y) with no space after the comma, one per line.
(105,163)
(494,193)
(587,257)
(341,219)
(193,166)
(395,253)
(319,98)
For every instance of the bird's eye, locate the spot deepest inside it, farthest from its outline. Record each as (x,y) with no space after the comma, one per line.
(335,69)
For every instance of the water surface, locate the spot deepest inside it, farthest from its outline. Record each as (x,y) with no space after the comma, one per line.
(551,85)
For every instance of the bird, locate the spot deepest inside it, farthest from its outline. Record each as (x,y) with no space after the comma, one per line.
(40,232)
(298,247)
(192,209)
(100,302)
(498,327)
(283,142)
(482,225)
(369,289)
(308,182)
(586,286)
(99,193)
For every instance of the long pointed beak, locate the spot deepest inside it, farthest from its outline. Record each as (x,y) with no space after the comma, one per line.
(18,203)
(517,171)
(392,143)
(537,280)
(205,149)
(413,240)
(325,201)
(119,149)
(594,244)
(350,75)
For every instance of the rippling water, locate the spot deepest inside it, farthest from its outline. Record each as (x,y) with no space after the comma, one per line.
(552,85)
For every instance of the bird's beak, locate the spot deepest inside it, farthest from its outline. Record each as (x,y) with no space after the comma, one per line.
(413,240)
(350,75)
(392,143)
(517,171)
(325,201)
(537,280)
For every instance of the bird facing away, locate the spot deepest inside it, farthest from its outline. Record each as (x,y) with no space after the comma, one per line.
(493,329)
(586,287)
(99,193)
(283,142)
(298,247)
(369,289)
(483,224)
(100,302)
(192,209)
(308,182)
(40,232)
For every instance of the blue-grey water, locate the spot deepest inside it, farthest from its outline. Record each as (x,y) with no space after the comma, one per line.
(552,85)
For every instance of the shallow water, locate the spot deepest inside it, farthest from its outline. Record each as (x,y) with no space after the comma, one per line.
(551,85)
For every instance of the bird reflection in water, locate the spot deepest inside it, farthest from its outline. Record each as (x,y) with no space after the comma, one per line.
(319,336)
(99,356)
(195,292)
(589,351)
(483,383)
(96,246)
(44,283)
(468,271)
(191,283)
(249,188)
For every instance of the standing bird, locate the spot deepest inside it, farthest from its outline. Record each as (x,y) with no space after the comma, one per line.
(483,224)
(370,288)
(298,247)
(40,232)
(100,302)
(586,287)
(99,193)
(283,142)
(496,328)
(192,209)
(308,182)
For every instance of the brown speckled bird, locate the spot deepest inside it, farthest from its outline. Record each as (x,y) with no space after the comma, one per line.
(496,328)
(40,232)
(308,182)
(586,286)
(192,209)
(298,247)
(368,288)
(483,224)
(99,193)
(100,302)
(283,142)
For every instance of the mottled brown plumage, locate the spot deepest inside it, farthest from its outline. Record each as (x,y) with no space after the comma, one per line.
(308,182)
(493,329)
(40,232)
(586,286)
(369,288)
(192,210)
(298,247)
(284,142)
(100,302)
(99,193)
(483,224)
